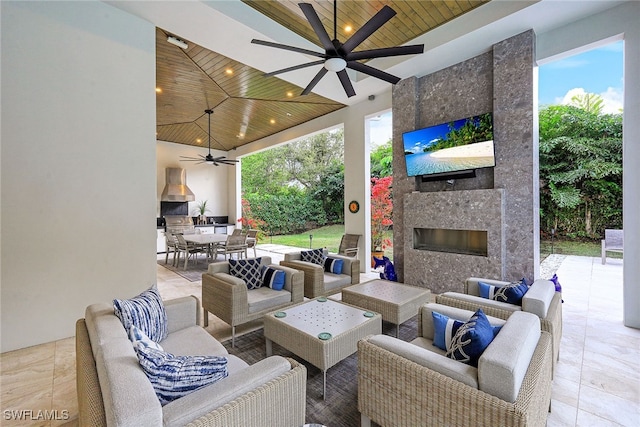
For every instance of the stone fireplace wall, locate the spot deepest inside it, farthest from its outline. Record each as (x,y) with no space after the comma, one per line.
(502,201)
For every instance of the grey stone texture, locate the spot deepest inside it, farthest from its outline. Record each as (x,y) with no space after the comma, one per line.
(502,200)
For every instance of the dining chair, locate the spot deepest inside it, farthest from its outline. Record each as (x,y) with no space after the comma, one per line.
(252,241)
(172,244)
(235,244)
(188,249)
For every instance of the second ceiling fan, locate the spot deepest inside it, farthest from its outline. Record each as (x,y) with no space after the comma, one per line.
(339,56)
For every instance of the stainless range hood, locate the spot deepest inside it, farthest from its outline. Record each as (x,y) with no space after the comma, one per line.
(176,189)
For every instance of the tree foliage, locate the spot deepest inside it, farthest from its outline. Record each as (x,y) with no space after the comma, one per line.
(298,185)
(382,160)
(580,170)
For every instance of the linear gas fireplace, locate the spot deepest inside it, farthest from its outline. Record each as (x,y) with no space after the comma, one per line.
(467,242)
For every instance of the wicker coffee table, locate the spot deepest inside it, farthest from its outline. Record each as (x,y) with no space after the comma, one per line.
(321,331)
(396,302)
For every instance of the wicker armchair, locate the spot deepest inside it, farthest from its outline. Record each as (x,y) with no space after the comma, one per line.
(317,282)
(414,384)
(228,298)
(541,300)
(349,245)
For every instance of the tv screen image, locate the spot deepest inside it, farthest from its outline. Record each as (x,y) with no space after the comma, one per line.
(461,145)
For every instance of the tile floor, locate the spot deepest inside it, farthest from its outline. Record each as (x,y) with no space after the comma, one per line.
(597,382)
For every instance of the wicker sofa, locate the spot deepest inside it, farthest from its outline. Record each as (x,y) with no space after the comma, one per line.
(541,299)
(113,390)
(414,384)
(228,298)
(318,282)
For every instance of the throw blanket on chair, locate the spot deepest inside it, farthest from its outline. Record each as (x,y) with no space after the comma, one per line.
(388,271)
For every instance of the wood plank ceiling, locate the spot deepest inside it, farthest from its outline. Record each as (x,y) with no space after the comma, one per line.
(248,106)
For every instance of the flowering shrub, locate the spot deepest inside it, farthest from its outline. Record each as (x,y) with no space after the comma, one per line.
(381,211)
(247,220)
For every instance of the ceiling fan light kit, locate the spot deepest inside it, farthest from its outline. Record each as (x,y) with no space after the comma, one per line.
(209,159)
(335,64)
(338,56)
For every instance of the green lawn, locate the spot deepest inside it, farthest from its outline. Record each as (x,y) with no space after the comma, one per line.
(571,247)
(330,236)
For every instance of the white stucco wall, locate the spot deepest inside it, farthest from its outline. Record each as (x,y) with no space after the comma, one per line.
(618,23)
(207,182)
(78,164)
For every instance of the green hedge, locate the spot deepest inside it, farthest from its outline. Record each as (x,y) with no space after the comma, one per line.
(286,214)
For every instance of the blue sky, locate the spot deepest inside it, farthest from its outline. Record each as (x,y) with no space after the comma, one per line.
(596,71)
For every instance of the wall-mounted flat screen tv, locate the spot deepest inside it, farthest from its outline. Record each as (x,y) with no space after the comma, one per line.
(447,148)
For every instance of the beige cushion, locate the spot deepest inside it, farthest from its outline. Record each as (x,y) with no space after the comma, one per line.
(334,281)
(192,341)
(538,298)
(464,373)
(264,298)
(200,402)
(504,363)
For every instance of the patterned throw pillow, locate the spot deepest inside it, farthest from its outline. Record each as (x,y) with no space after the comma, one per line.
(248,270)
(445,328)
(175,376)
(139,338)
(273,278)
(471,339)
(146,311)
(511,293)
(315,256)
(333,265)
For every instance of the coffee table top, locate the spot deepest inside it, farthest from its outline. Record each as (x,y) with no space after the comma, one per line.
(386,290)
(324,315)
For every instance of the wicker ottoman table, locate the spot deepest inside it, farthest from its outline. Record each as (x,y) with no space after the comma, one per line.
(396,302)
(321,331)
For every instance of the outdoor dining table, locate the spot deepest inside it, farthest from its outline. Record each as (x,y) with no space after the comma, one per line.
(206,240)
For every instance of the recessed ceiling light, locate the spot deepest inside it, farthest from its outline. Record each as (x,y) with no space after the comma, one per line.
(290,94)
(158,90)
(272,121)
(348,28)
(229,71)
(288,114)
(198,140)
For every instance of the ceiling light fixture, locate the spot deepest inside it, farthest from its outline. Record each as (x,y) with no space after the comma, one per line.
(177,42)
(335,64)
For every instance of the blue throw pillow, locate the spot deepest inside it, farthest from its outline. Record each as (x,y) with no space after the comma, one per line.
(511,293)
(315,256)
(248,270)
(145,311)
(471,339)
(273,278)
(175,376)
(445,328)
(333,265)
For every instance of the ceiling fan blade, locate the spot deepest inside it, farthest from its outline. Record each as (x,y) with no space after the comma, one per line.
(378,20)
(317,26)
(295,67)
(286,47)
(373,72)
(386,51)
(346,83)
(191,159)
(315,81)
